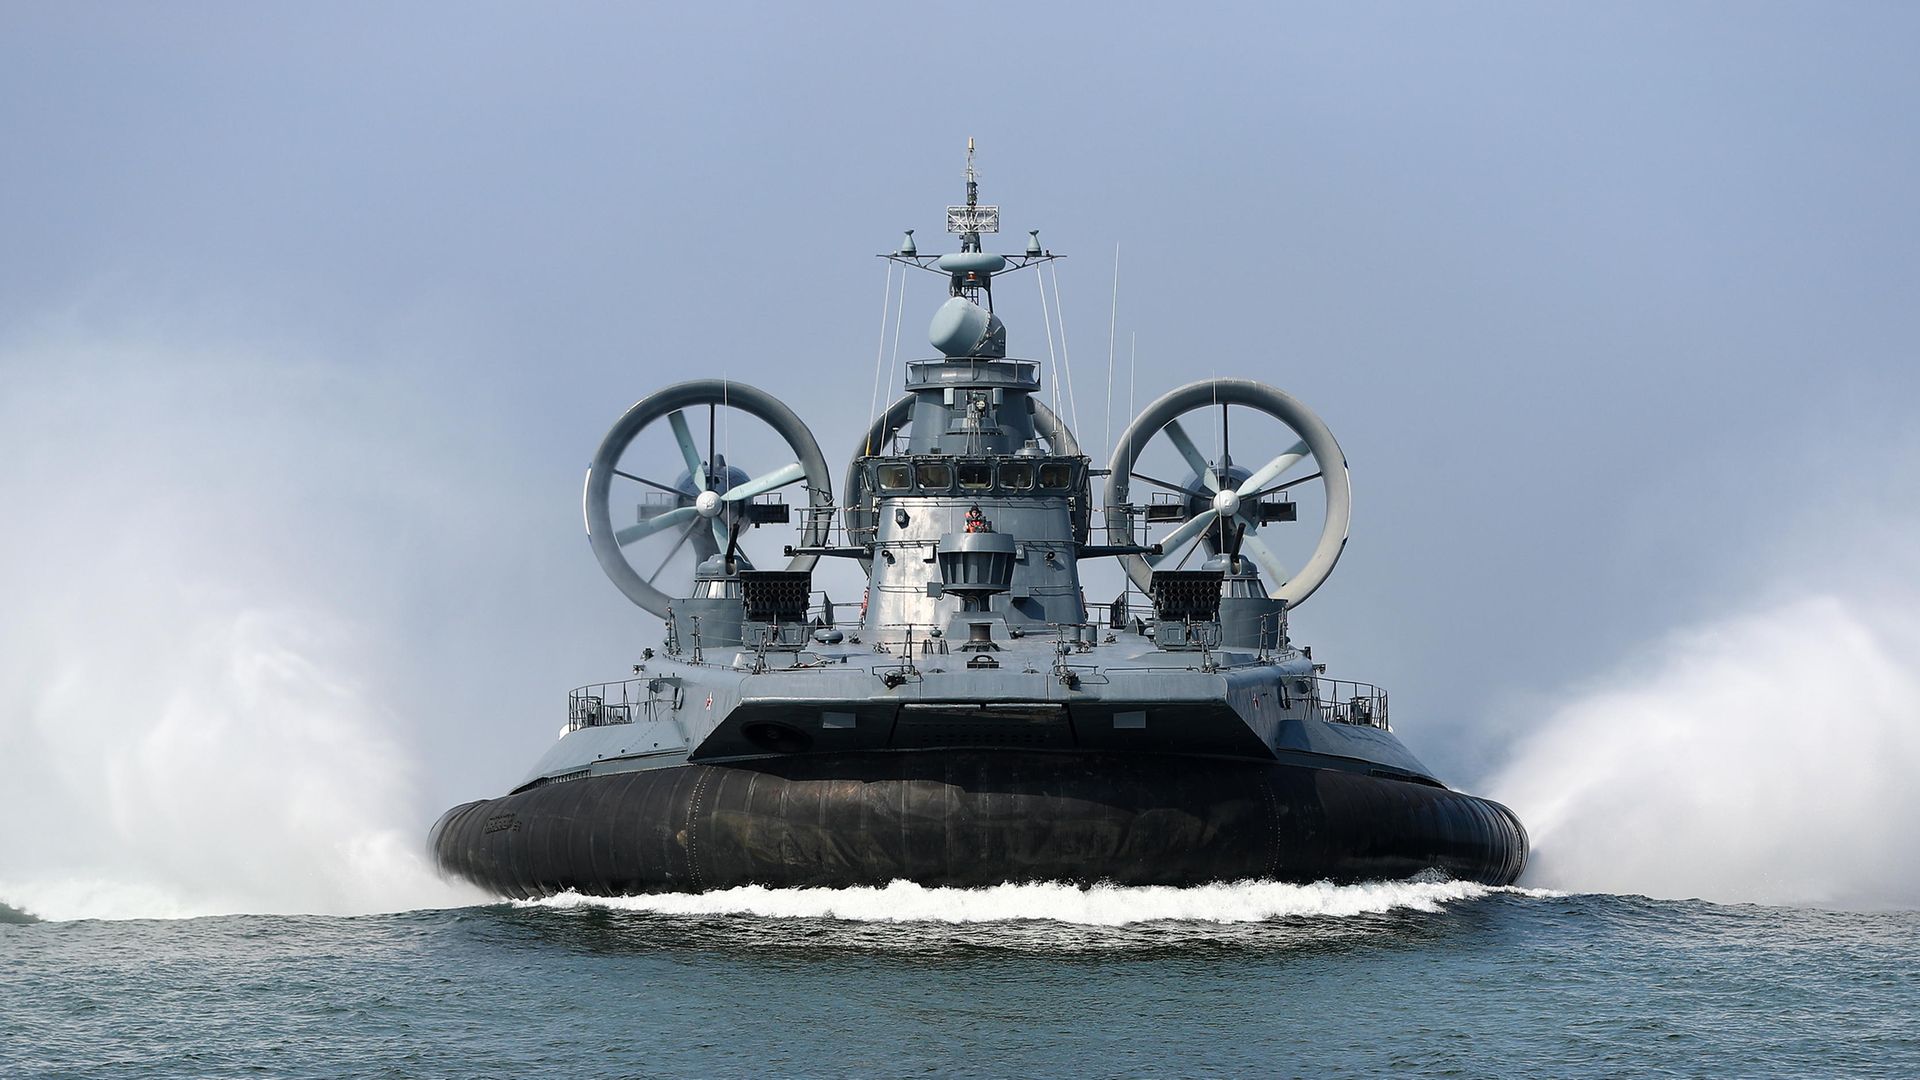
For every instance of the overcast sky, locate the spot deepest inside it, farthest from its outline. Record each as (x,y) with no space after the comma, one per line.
(321,310)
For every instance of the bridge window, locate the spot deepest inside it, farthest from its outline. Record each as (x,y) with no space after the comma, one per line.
(935,476)
(1056,474)
(1016,474)
(976,475)
(895,477)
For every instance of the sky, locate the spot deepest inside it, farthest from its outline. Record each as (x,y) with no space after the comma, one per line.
(310,319)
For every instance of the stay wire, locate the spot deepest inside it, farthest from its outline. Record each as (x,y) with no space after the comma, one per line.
(880,350)
(1066,358)
(1053,363)
(1133,350)
(899,309)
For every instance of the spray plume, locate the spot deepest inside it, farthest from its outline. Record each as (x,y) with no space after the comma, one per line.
(1767,757)
(187,713)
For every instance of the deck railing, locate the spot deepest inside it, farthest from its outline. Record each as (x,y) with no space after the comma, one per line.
(1341,701)
(601,704)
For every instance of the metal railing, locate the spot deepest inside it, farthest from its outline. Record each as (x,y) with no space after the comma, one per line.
(1341,701)
(602,704)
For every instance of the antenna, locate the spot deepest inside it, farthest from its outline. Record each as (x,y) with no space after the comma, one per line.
(973,185)
(969,221)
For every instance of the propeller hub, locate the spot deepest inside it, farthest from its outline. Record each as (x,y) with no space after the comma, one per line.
(707,503)
(1226,502)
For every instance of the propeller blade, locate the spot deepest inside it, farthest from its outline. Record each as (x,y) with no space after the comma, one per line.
(684,436)
(1201,495)
(653,525)
(1195,459)
(1271,470)
(685,534)
(1263,557)
(780,477)
(1278,488)
(1178,538)
(720,533)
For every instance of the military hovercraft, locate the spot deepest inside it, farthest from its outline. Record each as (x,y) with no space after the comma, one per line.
(977,721)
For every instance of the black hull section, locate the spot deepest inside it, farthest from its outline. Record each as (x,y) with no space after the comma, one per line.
(972,818)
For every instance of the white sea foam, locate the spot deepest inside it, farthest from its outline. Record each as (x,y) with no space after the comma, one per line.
(1767,757)
(1099,905)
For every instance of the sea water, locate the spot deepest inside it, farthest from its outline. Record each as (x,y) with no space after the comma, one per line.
(1254,979)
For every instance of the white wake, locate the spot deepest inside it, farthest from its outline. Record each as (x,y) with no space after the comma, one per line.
(1099,905)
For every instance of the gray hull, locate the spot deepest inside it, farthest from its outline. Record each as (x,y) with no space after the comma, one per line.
(971,818)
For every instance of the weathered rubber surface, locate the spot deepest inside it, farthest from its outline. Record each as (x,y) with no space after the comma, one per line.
(972,818)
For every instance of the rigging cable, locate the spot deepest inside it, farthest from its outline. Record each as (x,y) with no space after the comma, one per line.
(899,308)
(1066,359)
(1133,349)
(1053,364)
(880,349)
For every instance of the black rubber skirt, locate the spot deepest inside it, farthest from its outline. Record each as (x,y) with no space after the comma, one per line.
(972,818)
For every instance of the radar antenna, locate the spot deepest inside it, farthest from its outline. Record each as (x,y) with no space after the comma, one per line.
(971,220)
(968,222)
(966,327)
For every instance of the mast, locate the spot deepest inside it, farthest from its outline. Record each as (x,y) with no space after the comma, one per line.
(970,240)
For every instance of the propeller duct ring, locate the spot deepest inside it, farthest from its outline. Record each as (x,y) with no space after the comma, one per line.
(818,512)
(1282,406)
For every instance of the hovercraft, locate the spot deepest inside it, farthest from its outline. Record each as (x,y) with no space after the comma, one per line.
(973,720)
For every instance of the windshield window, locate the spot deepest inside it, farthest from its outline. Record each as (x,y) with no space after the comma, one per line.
(976,474)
